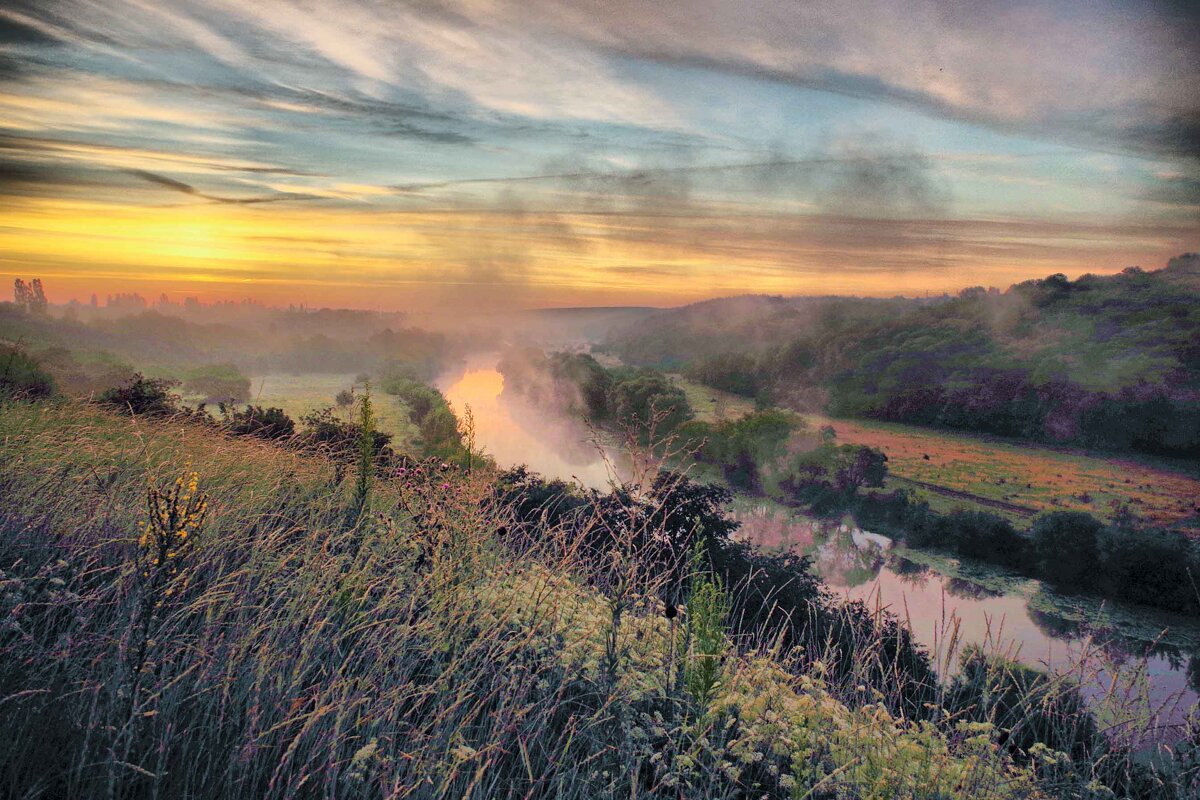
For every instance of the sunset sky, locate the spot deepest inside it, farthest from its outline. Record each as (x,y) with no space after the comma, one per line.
(528,153)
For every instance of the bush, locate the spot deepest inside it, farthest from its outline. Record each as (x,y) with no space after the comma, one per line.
(265,423)
(1152,567)
(143,396)
(1065,547)
(22,377)
(974,534)
(341,440)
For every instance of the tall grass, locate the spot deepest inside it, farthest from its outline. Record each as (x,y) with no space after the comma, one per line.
(417,652)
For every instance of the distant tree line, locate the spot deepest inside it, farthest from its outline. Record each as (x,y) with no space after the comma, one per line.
(1109,363)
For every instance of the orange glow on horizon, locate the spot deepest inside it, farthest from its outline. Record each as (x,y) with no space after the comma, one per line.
(403,260)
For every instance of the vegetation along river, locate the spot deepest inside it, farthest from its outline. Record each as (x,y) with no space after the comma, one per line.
(1130,661)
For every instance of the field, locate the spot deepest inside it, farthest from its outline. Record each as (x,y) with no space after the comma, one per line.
(950,470)
(302,394)
(710,404)
(1019,480)
(283,641)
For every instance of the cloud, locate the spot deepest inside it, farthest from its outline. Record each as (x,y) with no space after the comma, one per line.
(186,188)
(502,146)
(1065,71)
(19,29)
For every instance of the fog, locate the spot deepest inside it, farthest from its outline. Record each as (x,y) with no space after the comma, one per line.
(515,432)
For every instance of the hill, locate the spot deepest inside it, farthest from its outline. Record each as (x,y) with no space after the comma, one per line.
(189,614)
(1105,362)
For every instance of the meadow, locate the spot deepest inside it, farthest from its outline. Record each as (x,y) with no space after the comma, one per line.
(299,395)
(1016,480)
(1020,480)
(187,614)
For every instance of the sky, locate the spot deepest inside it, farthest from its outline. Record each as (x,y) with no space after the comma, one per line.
(404,154)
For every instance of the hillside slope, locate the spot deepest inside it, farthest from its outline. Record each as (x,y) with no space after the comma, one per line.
(1110,362)
(284,647)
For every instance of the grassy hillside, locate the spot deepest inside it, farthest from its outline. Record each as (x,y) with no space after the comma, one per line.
(1104,362)
(284,648)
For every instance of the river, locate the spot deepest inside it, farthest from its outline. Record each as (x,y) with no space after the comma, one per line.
(1112,651)
(515,432)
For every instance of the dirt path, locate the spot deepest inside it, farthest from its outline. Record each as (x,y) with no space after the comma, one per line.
(1024,511)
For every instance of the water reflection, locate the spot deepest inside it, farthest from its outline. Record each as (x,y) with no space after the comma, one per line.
(864,566)
(970,590)
(515,432)
(1016,623)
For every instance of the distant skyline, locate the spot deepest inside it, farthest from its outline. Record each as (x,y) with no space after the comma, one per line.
(528,153)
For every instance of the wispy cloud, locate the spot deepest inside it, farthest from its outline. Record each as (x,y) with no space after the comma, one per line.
(613,145)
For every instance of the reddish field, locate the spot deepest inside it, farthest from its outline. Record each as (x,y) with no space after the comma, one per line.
(1024,480)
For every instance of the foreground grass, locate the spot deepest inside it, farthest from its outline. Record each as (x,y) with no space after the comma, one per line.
(296,647)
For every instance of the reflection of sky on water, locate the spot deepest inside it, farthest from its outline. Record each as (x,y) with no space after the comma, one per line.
(860,567)
(514,432)
(855,564)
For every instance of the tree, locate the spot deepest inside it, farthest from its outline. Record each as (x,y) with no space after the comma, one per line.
(22,377)
(30,296)
(649,403)
(21,294)
(1066,547)
(37,303)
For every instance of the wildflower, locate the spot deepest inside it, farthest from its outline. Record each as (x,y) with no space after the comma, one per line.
(465,752)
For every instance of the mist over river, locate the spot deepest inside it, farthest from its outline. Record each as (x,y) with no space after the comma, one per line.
(1099,645)
(515,432)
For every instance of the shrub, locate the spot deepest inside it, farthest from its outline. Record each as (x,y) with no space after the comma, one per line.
(1152,567)
(977,534)
(342,440)
(143,396)
(22,377)
(1065,547)
(264,423)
